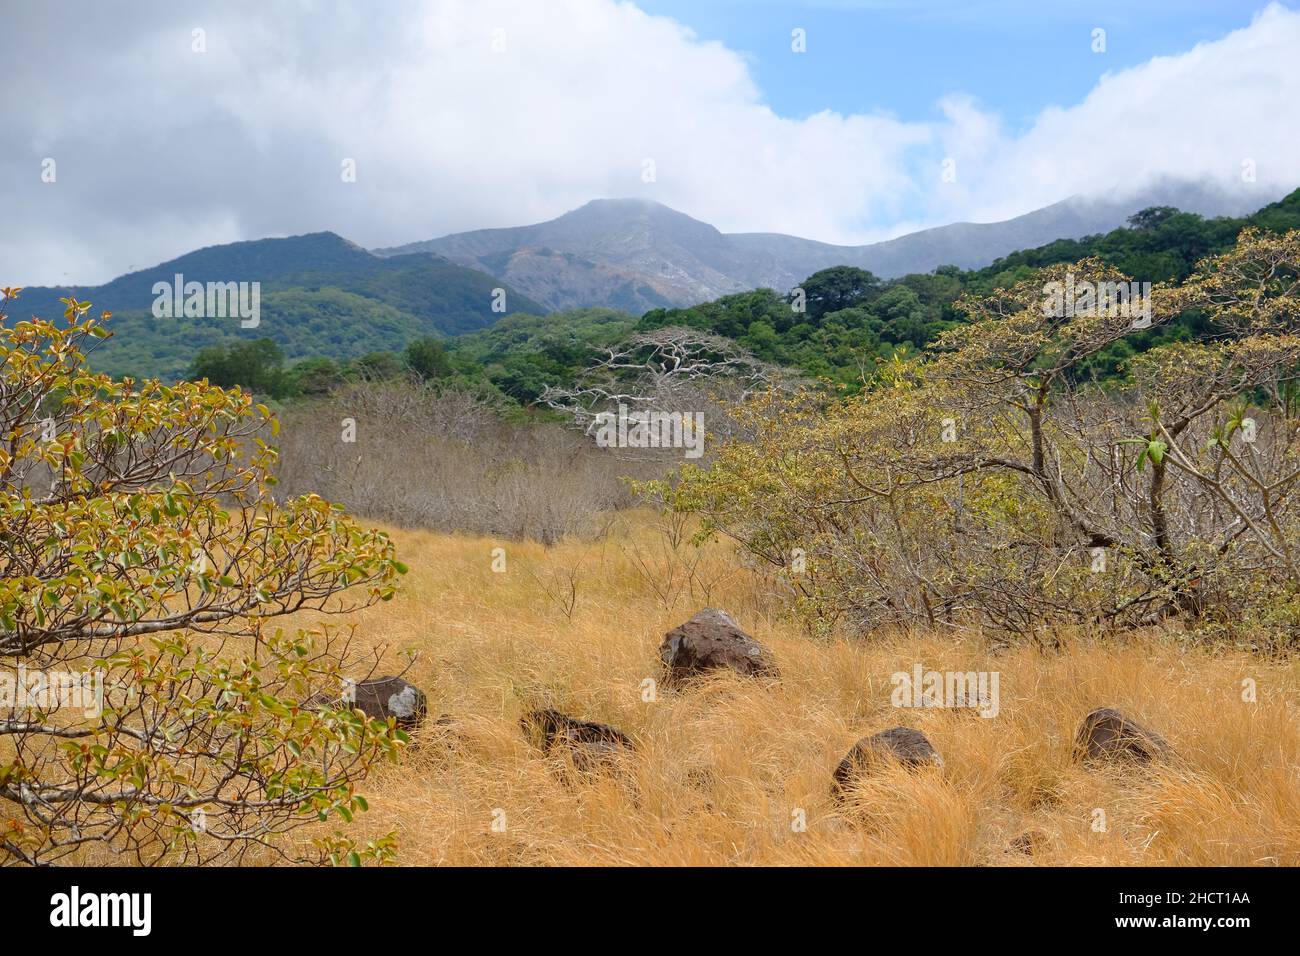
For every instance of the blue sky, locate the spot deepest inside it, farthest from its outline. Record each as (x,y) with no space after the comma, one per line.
(901,57)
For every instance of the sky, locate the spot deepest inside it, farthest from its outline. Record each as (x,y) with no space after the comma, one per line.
(1016,57)
(137,132)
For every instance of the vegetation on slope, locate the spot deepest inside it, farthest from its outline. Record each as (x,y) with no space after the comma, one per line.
(320,296)
(335,307)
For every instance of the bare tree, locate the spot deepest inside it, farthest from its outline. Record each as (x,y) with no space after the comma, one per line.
(673,369)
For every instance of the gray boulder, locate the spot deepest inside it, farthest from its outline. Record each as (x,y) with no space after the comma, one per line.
(1107,735)
(902,745)
(592,746)
(710,640)
(380,699)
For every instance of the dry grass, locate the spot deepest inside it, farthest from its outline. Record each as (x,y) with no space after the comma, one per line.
(724,768)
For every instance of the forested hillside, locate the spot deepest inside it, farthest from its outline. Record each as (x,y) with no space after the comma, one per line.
(330,310)
(320,295)
(851,318)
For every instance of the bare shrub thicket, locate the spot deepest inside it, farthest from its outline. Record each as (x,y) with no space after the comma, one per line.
(424,456)
(418,456)
(987,485)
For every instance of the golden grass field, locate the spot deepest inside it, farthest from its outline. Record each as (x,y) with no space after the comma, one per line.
(723,768)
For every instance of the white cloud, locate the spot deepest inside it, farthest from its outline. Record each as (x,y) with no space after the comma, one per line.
(1199,115)
(161,150)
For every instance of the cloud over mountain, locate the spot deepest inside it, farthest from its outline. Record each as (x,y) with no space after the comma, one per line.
(460,115)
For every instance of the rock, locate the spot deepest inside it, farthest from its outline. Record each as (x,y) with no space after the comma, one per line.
(906,746)
(380,699)
(1106,734)
(709,640)
(591,745)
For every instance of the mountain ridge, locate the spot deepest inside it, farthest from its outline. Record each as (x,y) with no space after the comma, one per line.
(324,295)
(313,285)
(637,254)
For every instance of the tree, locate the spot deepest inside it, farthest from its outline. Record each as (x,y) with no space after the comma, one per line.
(428,359)
(256,366)
(903,317)
(840,287)
(316,376)
(990,484)
(1150,217)
(377,366)
(668,370)
(142,559)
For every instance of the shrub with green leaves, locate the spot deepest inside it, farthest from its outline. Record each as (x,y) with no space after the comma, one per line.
(988,484)
(147,706)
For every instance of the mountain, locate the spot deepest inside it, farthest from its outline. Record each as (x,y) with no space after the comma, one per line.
(636,255)
(320,295)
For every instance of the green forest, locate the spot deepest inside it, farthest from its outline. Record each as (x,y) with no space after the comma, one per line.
(850,320)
